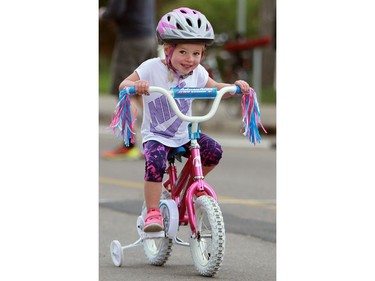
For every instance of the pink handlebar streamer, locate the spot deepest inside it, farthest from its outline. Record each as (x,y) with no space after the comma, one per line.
(251,117)
(123,122)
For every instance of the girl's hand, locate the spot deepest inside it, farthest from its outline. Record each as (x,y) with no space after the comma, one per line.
(245,88)
(141,87)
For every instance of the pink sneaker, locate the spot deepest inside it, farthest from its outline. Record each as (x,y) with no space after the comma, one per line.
(153,221)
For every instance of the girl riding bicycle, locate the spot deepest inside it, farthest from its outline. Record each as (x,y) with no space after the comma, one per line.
(184,34)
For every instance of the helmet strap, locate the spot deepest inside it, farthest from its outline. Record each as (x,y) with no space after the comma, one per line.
(174,72)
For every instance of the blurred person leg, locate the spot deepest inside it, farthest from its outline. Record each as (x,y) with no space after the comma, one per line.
(127,56)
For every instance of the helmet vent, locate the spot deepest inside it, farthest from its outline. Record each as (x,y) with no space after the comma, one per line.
(199,23)
(179,26)
(189,22)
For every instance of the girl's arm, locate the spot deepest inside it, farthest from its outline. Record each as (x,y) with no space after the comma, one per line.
(245,88)
(141,86)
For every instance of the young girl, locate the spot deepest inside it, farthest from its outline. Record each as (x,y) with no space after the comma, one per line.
(184,33)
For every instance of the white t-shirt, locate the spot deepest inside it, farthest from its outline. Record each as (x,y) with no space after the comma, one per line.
(160,123)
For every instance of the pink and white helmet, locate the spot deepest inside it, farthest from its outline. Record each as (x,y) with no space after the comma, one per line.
(185,24)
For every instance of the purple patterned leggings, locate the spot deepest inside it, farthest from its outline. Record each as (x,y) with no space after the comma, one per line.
(156,156)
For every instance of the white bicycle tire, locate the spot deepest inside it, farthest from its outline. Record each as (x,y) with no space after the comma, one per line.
(208,247)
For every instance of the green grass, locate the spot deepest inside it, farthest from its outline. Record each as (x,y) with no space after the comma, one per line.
(104,76)
(268,95)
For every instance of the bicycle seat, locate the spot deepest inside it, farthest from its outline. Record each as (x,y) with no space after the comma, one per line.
(176,152)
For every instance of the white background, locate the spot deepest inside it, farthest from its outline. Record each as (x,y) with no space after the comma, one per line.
(325,140)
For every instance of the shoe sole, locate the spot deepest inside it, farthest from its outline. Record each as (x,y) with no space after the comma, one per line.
(154,227)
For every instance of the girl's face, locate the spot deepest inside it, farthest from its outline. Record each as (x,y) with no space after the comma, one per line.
(186,57)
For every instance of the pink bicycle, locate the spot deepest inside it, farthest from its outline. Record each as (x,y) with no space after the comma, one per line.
(187,199)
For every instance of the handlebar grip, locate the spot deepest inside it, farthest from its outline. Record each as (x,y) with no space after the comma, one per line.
(238,90)
(129,90)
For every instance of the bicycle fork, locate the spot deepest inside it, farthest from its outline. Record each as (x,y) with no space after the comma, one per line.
(195,185)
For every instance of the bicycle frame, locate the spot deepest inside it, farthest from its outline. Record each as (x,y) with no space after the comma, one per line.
(189,183)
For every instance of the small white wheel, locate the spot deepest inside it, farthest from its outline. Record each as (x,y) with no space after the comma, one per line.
(116,253)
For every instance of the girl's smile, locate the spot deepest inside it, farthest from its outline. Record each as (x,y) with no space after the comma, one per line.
(186,57)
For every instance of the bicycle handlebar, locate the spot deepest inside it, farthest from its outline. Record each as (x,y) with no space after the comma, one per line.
(123,122)
(191,93)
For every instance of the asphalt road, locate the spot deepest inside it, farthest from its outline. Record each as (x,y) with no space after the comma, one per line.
(245,182)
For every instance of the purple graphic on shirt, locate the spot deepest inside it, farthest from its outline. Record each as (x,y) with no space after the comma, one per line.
(160,112)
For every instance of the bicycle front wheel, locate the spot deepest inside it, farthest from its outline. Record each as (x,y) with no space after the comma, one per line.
(207,248)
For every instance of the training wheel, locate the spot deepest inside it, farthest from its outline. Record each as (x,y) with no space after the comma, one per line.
(116,253)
